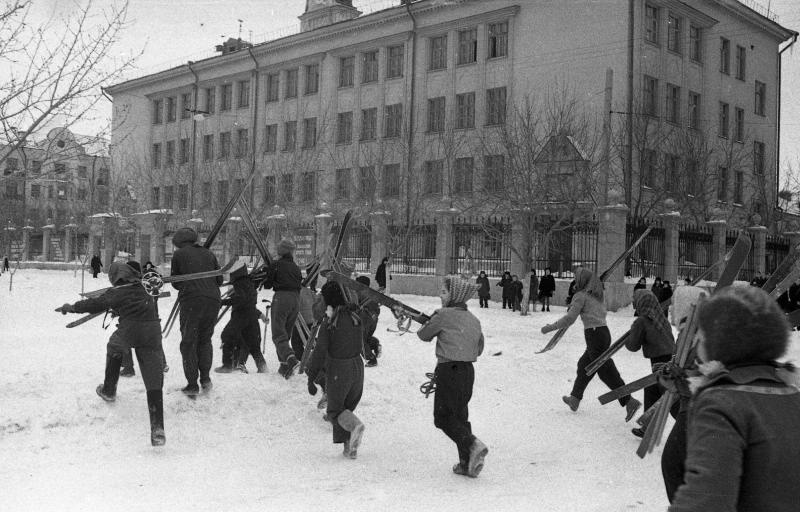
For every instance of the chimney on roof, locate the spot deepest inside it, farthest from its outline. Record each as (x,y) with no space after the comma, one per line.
(320,13)
(232,45)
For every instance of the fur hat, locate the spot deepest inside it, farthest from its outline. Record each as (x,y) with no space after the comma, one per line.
(460,289)
(743,324)
(363,280)
(238,270)
(332,294)
(184,236)
(120,271)
(286,246)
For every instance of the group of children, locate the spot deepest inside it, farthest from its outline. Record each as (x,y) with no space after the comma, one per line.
(512,294)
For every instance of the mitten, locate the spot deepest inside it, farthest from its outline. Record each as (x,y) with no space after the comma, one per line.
(547,328)
(67,308)
(312,388)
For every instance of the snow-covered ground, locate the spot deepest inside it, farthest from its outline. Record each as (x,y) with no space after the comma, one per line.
(258,442)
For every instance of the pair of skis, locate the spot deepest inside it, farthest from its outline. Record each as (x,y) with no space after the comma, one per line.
(605,275)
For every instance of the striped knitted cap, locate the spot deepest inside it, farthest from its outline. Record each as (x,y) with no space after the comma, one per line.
(460,289)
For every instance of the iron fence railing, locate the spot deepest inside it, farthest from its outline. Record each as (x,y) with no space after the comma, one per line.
(695,250)
(647,260)
(414,249)
(481,245)
(748,270)
(777,248)
(358,251)
(568,248)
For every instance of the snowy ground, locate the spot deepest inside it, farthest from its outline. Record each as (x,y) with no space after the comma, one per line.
(257,442)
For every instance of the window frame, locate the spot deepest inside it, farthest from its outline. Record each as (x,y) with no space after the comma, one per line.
(467,50)
(497,40)
(344,128)
(724,56)
(395,61)
(437,56)
(347,71)
(465,110)
(369,67)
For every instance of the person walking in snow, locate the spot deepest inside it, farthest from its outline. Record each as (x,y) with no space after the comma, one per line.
(380,275)
(241,337)
(127,369)
(338,351)
(284,277)
(96,265)
(547,286)
(372,310)
(505,284)
(139,328)
(482,283)
(459,342)
(588,304)
(743,444)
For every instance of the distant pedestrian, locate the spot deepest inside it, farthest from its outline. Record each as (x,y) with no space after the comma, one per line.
(484,293)
(516,293)
(96,265)
(547,286)
(505,284)
(380,275)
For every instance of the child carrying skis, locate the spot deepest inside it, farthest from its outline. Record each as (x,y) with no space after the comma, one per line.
(242,336)
(459,342)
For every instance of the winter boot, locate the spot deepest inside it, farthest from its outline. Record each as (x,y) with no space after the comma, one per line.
(155,405)
(262,366)
(477,452)
(631,407)
(572,402)
(287,368)
(638,432)
(127,372)
(206,385)
(352,424)
(461,468)
(102,394)
(108,390)
(225,368)
(241,368)
(371,363)
(191,390)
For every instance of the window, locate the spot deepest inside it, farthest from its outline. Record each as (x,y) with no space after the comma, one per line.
(671,177)
(82,194)
(724,56)
(270,138)
(692,179)
(651,23)
(436,113)
(724,118)
(291,84)
(394,61)
(465,110)
(391,180)
(438,53)
(310,132)
(186,105)
(170,153)
(51,194)
(369,122)
(289,135)
(648,169)
(673,104)
(61,190)
(695,43)
(739,125)
(210,94)
(312,78)
(169,196)
(287,188)
(222,192)
(12,164)
(367,182)
(494,166)
(740,62)
(433,177)
(498,40)
(36,191)
(82,171)
(369,72)
(171,109)
(393,125)
(269,191)
(242,142)
(496,106)
(758,158)
(650,96)
(308,187)
(342,186)
(224,145)
(344,128)
(467,46)
(674,33)
(738,187)
(273,84)
(155,198)
(226,100)
(463,176)
(346,71)
(208,148)
(694,110)
(11,190)
(158,111)
(760,97)
(105,176)
(156,155)
(183,196)
(243,89)
(206,193)
(185,151)
(36,168)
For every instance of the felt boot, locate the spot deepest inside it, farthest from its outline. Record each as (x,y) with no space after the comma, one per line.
(352,424)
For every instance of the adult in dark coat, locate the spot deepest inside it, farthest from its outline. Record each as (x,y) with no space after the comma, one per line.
(743,447)
(516,293)
(199,300)
(533,291)
(505,284)
(657,288)
(284,277)
(380,275)
(241,337)
(547,286)
(484,293)
(96,265)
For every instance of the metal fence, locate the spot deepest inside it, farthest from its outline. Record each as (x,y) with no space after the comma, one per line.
(777,248)
(568,248)
(481,244)
(358,248)
(647,260)
(748,270)
(695,250)
(414,249)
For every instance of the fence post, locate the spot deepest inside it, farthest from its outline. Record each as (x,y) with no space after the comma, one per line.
(759,235)
(794,238)
(277,224)
(444,241)
(233,229)
(26,243)
(69,234)
(718,228)
(671,235)
(322,241)
(611,242)
(47,233)
(379,228)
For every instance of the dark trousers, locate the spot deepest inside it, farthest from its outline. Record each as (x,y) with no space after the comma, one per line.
(283,314)
(127,359)
(241,337)
(507,301)
(484,301)
(198,316)
(598,340)
(454,382)
(344,379)
(95,271)
(673,457)
(145,338)
(516,303)
(654,392)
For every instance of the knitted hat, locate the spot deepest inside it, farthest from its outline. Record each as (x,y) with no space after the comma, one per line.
(184,236)
(285,247)
(119,271)
(135,266)
(743,324)
(332,294)
(460,289)
(682,301)
(363,280)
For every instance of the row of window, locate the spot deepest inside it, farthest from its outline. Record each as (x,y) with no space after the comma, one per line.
(689,176)
(12,165)
(60,191)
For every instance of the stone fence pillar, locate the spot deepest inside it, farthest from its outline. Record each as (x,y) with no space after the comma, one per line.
(233,230)
(444,241)
(759,248)
(322,239)
(379,228)
(611,242)
(26,243)
(718,228)
(671,236)
(47,233)
(277,226)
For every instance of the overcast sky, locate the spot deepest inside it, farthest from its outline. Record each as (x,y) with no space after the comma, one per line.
(173,31)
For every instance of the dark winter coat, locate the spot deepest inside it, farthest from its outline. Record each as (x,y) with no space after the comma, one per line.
(654,342)
(505,284)
(743,444)
(283,275)
(516,290)
(244,297)
(534,288)
(340,337)
(380,275)
(570,292)
(483,286)
(131,303)
(190,259)
(96,264)
(547,285)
